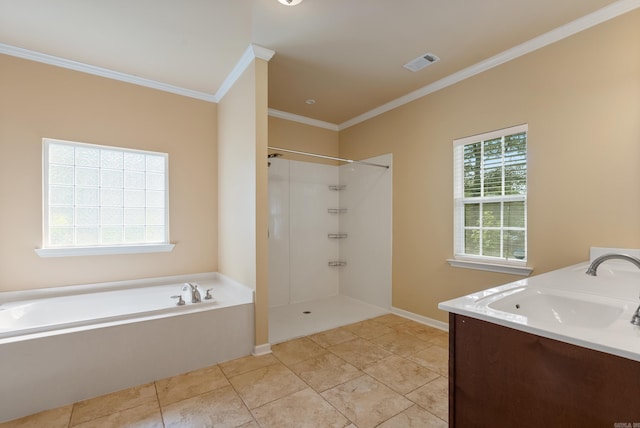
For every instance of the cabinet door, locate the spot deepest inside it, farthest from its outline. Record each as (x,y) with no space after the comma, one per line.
(505,377)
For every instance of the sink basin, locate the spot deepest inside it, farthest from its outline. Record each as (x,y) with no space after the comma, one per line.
(574,310)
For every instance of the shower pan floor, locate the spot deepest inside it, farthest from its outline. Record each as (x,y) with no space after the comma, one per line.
(302,319)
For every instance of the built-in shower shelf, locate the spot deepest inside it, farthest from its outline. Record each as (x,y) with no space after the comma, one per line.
(337,235)
(337,263)
(337,210)
(337,186)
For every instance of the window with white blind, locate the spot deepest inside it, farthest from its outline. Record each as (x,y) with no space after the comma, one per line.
(490,198)
(101,200)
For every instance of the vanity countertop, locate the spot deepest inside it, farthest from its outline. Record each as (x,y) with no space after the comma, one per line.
(567,305)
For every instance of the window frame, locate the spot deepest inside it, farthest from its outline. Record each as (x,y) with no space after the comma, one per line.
(483,262)
(49,250)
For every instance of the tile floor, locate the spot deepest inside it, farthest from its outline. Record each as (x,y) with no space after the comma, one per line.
(384,372)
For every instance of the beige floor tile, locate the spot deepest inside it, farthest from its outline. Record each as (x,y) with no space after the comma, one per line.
(144,416)
(297,350)
(94,408)
(401,343)
(418,330)
(365,401)
(390,320)
(332,337)
(221,407)
(54,418)
(359,352)
(434,397)
(300,410)
(325,371)
(368,329)
(246,364)
(190,384)
(266,384)
(441,340)
(414,417)
(400,374)
(434,358)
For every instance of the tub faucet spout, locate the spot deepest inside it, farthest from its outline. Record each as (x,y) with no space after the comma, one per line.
(593,267)
(635,320)
(195,293)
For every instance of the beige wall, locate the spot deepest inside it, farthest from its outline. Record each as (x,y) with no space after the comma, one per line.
(37,101)
(581,99)
(243,206)
(291,135)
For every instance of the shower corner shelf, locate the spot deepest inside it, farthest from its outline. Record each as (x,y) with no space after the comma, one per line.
(337,263)
(337,235)
(337,210)
(337,186)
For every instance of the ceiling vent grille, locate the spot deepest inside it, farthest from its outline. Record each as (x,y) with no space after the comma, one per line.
(421,62)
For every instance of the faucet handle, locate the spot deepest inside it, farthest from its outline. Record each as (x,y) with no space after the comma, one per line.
(181,301)
(208,296)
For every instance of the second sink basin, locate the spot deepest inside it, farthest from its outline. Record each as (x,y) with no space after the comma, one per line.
(572,310)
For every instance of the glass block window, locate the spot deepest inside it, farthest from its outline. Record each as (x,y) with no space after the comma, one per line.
(490,196)
(103,196)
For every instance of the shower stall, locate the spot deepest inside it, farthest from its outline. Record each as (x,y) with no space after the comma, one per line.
(329,243)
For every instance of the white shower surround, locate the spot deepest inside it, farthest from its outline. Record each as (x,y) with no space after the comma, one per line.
(299,224)
(367,196)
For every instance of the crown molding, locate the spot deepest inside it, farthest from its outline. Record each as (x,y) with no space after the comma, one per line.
(602,15)
(102,72)
(302,119)
(252,52)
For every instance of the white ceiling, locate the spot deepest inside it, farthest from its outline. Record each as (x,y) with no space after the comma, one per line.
(345,54)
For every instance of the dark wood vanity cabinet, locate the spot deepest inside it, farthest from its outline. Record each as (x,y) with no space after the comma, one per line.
(501,377)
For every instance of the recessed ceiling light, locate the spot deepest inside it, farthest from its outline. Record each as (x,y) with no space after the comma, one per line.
(290,2)
(310,101)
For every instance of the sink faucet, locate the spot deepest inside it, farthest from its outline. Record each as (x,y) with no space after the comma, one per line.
(593,267)
(195,293)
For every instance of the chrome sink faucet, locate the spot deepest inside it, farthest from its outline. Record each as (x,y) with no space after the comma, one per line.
(195,293)
(593,267)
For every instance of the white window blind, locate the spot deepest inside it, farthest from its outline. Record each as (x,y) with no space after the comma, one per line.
(490,196)
(99,196)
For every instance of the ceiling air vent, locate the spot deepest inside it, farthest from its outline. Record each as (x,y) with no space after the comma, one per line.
(421,62)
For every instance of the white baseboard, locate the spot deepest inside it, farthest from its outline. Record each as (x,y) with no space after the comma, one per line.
(261,349)
(421,319)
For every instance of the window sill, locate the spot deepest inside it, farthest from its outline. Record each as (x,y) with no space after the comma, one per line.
(101,251)
(491,267)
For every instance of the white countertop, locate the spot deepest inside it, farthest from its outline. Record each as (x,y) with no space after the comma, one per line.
(617,285)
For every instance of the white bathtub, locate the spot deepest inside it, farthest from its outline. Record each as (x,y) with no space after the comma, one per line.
(65,344)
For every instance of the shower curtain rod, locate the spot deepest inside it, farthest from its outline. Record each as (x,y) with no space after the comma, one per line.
(329,157)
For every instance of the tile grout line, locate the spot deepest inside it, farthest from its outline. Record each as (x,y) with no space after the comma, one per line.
(349,421)
(244,403)
(155,387)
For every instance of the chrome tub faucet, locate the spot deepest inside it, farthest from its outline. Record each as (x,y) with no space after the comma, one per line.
(195,293)
(635,320)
